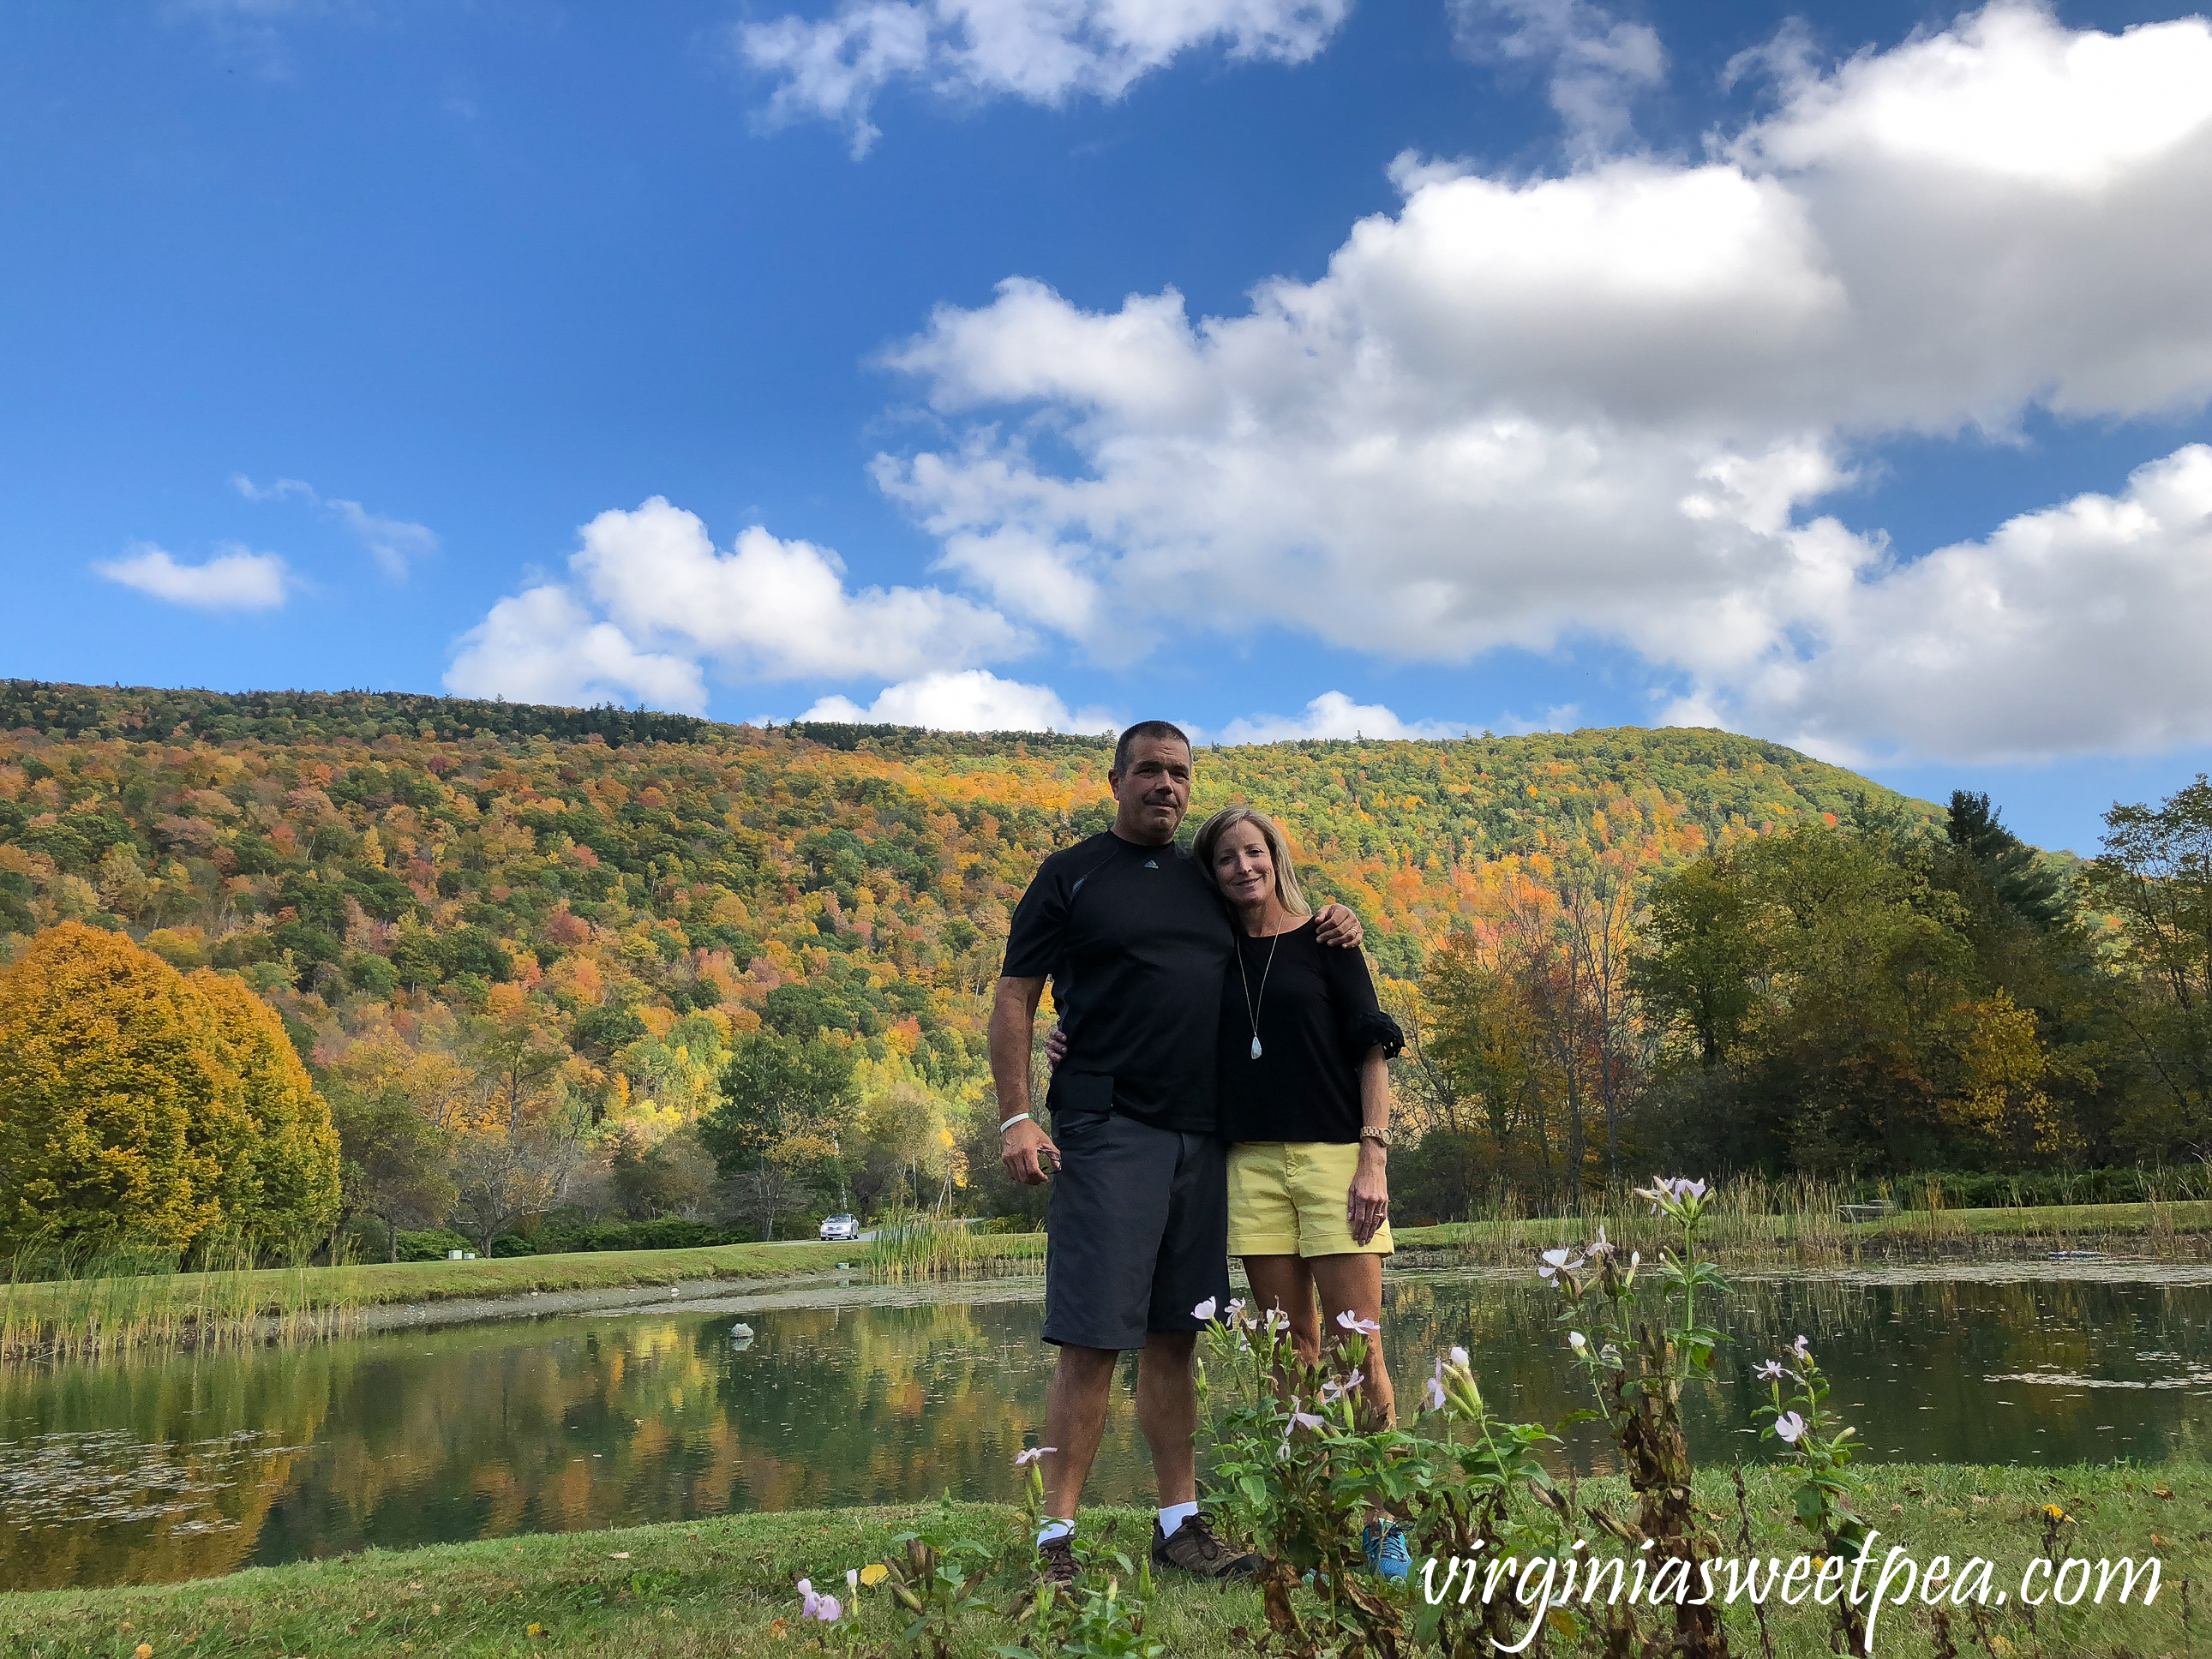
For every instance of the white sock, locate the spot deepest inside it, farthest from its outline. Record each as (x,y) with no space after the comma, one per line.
(1174,1515)
(1053,1529)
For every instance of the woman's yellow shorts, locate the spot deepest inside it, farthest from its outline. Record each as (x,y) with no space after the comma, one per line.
(1287,1198)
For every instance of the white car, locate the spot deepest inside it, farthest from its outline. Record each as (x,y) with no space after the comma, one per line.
(840,1229)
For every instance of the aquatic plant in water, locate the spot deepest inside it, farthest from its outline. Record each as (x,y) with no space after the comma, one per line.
(85,1298)
(913,1245)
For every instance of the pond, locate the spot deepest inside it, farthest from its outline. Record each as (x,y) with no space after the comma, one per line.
(189,1465)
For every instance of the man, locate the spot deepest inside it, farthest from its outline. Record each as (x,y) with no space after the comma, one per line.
(1136,940)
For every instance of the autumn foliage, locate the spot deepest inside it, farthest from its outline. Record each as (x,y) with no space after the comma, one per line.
(280,1178)
(140,1104)
(544,962)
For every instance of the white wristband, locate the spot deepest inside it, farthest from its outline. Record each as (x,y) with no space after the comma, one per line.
(1019,1117)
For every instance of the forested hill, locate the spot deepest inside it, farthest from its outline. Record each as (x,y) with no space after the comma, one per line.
(355,849)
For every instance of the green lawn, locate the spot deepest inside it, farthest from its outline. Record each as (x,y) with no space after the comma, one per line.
(374,1283)
(714,1587)
(2051,1225)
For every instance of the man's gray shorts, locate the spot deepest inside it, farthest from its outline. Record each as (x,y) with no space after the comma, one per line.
(1137,1234)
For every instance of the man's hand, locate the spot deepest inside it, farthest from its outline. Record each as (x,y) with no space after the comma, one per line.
(1024,1149)
(1339,926)
(1055,1049)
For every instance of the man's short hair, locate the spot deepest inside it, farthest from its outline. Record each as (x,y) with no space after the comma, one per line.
(1155,729)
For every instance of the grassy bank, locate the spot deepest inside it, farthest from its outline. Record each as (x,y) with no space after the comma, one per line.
(715,1586)
(1814,1234)
(109,1312)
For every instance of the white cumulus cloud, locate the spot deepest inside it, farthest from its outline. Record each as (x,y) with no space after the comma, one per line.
(651,603)
(971,700)
(1043,51)
(1609,403)
(541,646)
(2081,627)
(1333,715)
(769,609)
(236,579)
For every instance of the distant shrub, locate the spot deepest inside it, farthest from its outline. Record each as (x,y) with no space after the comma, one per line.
(430,1245)
(669,1233)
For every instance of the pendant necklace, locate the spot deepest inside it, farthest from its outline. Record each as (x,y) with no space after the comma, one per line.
(1252,1008)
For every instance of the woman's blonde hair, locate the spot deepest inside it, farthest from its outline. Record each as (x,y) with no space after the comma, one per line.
(1279,852)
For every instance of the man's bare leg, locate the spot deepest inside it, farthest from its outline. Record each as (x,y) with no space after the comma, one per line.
(1167,1411)
(1075,1422)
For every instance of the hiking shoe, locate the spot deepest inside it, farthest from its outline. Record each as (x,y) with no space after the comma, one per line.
(1386,1549)
(1196,1548)
(1056,1560)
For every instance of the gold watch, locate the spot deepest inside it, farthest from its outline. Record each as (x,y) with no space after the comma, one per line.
(1376,1133)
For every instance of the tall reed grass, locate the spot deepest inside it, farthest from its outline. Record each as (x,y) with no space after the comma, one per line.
(91,1299)
(1801,1219)
(920,1246)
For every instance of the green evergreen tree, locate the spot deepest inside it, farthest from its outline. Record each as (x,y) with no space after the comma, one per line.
(2022,880)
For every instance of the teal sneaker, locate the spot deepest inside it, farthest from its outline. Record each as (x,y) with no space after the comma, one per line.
(1386,1549)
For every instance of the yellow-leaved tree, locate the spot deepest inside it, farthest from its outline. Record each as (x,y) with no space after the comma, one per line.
(134,1101)
(281,1181)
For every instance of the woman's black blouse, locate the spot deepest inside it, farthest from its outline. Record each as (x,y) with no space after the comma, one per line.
(1318,1019)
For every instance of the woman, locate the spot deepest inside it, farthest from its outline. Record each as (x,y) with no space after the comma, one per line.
(1305,1096)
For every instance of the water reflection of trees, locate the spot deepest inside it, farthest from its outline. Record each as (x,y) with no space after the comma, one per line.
(1910,1362)
(407,1438)
(576,1424)
(235,1434)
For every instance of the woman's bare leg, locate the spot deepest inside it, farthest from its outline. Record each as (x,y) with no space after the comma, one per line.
(1285,1282)
(1352,1283)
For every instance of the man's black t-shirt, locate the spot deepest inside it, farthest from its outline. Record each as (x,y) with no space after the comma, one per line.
(1135,940)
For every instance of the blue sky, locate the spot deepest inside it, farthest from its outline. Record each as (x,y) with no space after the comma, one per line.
(1288,366)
